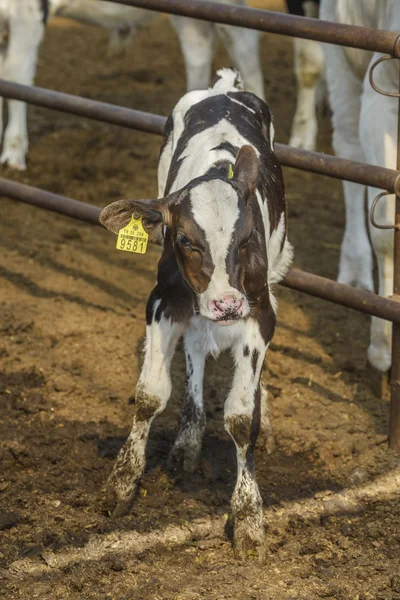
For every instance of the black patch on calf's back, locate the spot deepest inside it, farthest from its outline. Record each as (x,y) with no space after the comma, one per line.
(251,117)
(246,351)
(228,147)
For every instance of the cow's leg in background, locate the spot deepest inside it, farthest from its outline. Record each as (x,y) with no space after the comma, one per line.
(243,46)
(188,443)
(3,51)
(345,88)
(25,35)
(378,134)
(152,393)
(267,438)
(197,43)
(242,421)
(308,66)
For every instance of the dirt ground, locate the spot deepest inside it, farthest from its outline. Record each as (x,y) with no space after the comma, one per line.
(72,324)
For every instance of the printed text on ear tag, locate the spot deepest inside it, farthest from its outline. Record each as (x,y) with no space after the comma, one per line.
(133,237)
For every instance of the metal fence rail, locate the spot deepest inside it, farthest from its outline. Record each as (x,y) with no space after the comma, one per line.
(323,164)
(353,36)
(321,287)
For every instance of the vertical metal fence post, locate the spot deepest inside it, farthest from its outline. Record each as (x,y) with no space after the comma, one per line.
(394,427)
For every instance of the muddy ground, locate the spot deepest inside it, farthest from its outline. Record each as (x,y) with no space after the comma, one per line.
(72,323)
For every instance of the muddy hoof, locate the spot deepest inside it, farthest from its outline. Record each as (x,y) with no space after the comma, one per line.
(248,540)
(379,382)
(113,506)
(181,459)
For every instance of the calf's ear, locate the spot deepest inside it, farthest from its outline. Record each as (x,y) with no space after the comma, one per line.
(246,170)
(154,214)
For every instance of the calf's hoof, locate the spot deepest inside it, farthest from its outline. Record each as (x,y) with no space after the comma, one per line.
(184,458)
(14,158)
(249,539)
(112,505)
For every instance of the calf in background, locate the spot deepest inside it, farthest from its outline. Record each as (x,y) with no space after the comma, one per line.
(221,217)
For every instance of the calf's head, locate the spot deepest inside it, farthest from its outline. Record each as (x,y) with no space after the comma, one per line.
(211,227)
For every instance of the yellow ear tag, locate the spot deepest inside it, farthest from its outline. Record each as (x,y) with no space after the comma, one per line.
(133,237)
(230,172)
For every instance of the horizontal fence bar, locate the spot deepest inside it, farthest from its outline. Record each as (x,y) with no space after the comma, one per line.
(305,160)
(362,301)
(359,300)
(338,168)
(84,107)
(353,36)
(49,201)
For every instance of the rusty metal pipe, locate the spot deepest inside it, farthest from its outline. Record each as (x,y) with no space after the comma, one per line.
(315,285)
(360,300)
(305,160)
(49,201)
(338,168)
(76,105)
(264,20)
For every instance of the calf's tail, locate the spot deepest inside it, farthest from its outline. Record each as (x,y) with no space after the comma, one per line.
(227,80)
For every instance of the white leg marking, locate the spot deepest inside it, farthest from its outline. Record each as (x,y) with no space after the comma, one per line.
(241,414)
(25,34)
(152,393)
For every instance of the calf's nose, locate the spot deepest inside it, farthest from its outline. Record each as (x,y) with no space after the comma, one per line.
(228,305)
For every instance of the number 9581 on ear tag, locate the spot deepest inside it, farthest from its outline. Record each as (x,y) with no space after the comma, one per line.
(133,237)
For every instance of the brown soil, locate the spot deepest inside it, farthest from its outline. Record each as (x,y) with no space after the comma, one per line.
(72,323)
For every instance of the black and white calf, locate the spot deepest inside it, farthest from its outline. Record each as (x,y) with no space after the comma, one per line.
(225,246)
(22,26)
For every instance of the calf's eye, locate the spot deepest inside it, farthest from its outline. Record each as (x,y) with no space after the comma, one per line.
(183,240)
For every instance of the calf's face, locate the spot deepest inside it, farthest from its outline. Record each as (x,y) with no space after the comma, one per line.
(211,229)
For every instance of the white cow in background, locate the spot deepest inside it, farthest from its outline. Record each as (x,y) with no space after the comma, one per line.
(365,129)
(22,25)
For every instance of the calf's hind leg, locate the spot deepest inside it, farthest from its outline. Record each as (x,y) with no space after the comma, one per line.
(152,393)
(193,419)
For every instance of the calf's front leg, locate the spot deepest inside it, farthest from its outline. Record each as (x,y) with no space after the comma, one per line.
(242,421)
(152,393)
